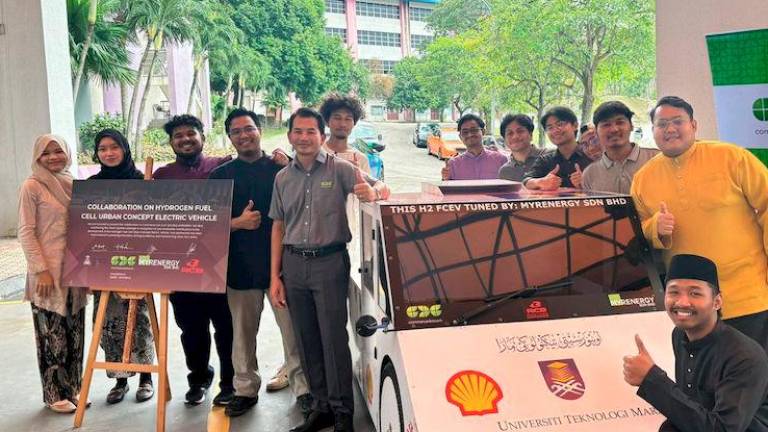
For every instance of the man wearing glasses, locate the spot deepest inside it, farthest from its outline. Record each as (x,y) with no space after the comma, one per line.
(476,163)
(561,166)
(711,199)
(248,267)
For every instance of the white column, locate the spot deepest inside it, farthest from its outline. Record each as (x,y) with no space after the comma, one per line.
(35,90)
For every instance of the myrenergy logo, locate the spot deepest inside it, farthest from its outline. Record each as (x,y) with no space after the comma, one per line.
(166,264)
(760,109)
(616,300)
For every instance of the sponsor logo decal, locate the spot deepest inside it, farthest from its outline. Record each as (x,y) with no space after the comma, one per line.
(475,393)
(760,109)
(616,301)
(123,261)
(536,310)
(192,267)
(424,314)
(166,264)
(563,378)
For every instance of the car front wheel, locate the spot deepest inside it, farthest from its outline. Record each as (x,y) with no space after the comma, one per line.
(390,404)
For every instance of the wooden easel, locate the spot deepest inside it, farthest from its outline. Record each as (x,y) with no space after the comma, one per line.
(159,333)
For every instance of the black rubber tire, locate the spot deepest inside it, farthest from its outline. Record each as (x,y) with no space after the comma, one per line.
(388,372)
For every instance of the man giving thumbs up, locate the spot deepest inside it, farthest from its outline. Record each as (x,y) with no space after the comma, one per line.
(721,375)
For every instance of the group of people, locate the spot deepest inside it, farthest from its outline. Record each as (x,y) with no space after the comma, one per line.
(289,232)
(704,204)
(600,157)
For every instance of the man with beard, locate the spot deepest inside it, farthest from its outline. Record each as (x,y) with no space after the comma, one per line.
(721,374)
(248,269)
(341,114)
(194,312)
(517,131)
(711,199)
(561,166)
(310,264)
(476,163)
(622,158)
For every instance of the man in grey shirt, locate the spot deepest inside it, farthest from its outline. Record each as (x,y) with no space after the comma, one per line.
(621,159)
(310,264)
(517,130)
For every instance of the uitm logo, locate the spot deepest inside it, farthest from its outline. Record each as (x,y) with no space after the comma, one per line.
(563,378)
(760,109)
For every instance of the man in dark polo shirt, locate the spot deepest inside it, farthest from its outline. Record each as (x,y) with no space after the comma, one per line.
(194,312)
(309,255)
(517,131)
(248,269)
(721,375)
(563,165)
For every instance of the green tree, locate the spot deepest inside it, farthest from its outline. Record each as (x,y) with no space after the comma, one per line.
(451,70)
(160,21)
(96,44)
(290,35)
(601,38)
(216,31)
(407,92)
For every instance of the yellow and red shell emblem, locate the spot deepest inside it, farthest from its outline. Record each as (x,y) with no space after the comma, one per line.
(475,393)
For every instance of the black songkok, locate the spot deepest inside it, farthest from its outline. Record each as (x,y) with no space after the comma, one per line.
(693,267)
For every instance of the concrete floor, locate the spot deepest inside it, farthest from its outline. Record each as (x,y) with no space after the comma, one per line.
(22,409)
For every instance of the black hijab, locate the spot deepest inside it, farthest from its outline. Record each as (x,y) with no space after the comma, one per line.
(126,169)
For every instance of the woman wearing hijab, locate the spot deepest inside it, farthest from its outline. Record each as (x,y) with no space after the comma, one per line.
(58,311)
(113,153)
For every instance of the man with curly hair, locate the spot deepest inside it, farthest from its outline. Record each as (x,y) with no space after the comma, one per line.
(341,113)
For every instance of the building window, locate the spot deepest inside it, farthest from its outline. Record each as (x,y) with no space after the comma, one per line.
(377,110)
(376,66)
(335,6)
(378,10)
(419,42)
(338,32)
(377,38)
(420,14)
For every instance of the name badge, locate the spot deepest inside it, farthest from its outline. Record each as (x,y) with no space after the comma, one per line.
(326,184)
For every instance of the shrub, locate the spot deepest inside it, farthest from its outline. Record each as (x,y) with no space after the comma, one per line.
(88,130)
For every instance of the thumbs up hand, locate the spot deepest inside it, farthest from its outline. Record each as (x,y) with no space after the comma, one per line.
(446,171)
(665,221)
(551,181)
(576,177)
(362,190)
(636,367)
(250,219)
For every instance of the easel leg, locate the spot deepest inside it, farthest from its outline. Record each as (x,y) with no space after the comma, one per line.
(156,332)
(92,350)
(162,362)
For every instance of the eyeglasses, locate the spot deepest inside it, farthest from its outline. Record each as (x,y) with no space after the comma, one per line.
(556,125)
(664,124)
(246,130)
(471,131)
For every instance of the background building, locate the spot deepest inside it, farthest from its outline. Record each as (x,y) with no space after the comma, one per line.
(379,33)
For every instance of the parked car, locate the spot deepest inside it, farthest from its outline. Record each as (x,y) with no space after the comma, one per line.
(366,138)
(422,132)
(445,144)
(486,311)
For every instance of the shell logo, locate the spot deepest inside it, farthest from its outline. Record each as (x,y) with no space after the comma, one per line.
(475,393)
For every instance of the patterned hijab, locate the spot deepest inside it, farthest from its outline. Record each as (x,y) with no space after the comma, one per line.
(60,183)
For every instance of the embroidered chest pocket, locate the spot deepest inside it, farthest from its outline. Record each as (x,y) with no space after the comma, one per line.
(713,192)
